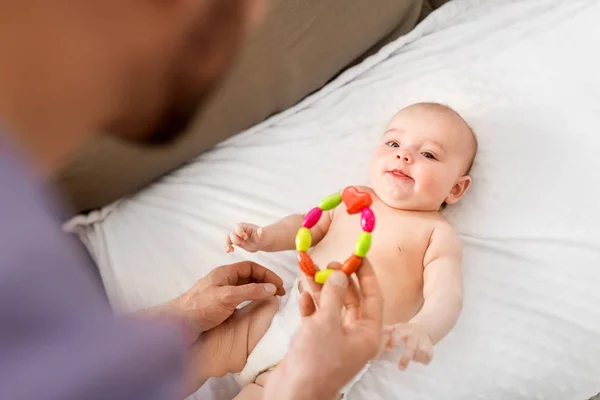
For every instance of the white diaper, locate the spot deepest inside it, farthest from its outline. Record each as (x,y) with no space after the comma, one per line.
(273,346)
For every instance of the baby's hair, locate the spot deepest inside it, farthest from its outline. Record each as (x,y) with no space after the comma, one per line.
(446,107)
(475,147)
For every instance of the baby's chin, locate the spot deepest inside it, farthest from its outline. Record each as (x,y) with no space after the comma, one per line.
(400,200)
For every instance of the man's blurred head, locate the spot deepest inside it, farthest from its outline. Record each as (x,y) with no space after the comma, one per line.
(135,69)
(195,41)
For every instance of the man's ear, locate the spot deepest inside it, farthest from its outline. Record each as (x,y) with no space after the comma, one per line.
(459,189)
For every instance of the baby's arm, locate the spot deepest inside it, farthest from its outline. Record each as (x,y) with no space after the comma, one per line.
(281,235)
(442,284)
(443,295)
(278,236)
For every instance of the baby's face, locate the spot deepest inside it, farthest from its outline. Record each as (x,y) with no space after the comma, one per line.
(423,158)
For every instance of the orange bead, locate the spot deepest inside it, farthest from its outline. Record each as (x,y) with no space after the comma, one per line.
(351,265)
(306,264)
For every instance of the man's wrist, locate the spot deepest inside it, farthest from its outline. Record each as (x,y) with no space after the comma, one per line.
(172,312)
(286,387)
(197,368)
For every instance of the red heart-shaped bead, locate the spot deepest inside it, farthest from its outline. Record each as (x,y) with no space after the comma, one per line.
(355,200)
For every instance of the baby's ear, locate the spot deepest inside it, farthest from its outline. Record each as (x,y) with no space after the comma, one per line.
(459,189)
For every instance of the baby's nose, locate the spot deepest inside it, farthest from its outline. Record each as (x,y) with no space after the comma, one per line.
(403,156)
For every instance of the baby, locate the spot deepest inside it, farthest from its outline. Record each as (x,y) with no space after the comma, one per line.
(421,164)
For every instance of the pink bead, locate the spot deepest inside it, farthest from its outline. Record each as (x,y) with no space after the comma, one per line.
(312,217)
(367,220)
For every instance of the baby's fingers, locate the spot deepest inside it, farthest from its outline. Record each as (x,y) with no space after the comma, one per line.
(228,244)
(397,336)
(424,352)
(410,349)
(236,240)
(241,231)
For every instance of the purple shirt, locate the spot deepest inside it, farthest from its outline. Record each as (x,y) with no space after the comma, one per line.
(59,339)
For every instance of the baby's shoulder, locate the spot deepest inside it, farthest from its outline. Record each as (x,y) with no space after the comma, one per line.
(431,220)
(444,237)
(440,222)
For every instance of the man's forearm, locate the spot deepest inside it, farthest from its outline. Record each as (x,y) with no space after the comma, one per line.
(290,389)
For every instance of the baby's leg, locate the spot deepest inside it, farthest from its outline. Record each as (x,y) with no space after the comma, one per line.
(254,391)
(229,344)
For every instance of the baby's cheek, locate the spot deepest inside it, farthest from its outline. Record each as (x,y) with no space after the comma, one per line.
(430,185)
(375,169)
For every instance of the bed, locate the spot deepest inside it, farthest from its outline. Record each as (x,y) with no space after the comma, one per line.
(524,74)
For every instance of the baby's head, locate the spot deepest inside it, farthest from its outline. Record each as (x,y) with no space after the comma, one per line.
(424,158)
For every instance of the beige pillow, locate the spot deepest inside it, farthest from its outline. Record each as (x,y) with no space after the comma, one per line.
(300,46)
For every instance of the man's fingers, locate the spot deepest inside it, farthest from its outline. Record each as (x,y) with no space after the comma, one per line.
(332,295)
(315,288)
(316,297)
(372,299)
(352,299)
(311,286)
(233,296)
(245,272)
(307,305)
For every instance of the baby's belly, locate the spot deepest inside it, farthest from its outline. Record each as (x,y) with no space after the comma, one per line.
(401,299)
(400,279)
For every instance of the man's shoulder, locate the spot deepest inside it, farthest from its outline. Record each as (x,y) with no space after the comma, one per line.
(34,252)
(29,217)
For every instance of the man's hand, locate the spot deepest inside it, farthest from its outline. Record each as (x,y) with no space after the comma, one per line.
(329,350)
(215,297)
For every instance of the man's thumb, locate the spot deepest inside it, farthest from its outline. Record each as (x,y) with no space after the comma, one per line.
(332,296)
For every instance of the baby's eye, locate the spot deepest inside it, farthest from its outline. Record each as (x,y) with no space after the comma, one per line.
(392,143)
(427,154)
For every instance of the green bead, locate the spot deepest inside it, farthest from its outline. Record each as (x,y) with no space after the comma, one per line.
(303,240)
(330,202)
(363,244)
(322,275)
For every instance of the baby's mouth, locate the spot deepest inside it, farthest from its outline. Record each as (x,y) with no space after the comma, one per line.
(399,174)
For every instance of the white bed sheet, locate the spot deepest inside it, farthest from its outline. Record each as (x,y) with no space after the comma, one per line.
(525,75)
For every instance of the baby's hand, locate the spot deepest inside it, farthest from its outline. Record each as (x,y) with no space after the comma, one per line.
(246,236)
(417,343)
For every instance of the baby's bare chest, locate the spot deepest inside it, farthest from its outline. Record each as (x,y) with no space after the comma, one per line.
(399,242)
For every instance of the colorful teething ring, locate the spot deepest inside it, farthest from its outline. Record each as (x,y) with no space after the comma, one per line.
(355,202)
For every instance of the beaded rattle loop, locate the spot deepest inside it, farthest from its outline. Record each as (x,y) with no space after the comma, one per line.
(355,202)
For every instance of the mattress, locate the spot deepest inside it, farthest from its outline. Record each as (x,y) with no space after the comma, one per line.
(525,76)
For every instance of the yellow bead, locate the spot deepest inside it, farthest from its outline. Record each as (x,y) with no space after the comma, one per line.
(321,276)
(303,240)
(363,244)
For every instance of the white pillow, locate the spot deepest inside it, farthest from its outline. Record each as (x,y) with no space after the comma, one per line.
(525,75)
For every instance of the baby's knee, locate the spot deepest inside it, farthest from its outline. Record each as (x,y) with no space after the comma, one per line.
(254,320)
(229,344)
(262,316)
